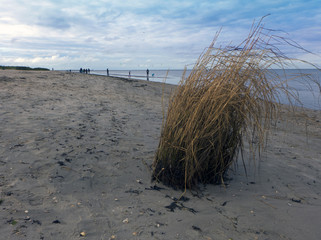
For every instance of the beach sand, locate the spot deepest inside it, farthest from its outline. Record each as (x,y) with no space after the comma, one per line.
(75,156)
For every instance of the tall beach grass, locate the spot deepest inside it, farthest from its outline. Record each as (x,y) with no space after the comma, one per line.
(229,97)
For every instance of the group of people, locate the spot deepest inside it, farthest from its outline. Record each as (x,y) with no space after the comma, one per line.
(87,71)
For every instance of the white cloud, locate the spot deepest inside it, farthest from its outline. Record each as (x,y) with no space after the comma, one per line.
(167,34)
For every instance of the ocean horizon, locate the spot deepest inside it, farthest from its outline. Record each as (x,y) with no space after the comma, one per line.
(308,92)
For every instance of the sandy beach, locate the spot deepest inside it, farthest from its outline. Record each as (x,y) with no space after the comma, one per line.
(75,156)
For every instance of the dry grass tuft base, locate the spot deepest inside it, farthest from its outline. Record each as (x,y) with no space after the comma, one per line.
(230,95)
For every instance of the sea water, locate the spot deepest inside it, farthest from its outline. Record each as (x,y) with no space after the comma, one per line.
(168,76)
(306,89)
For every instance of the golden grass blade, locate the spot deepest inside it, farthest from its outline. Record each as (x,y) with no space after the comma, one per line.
(230,95)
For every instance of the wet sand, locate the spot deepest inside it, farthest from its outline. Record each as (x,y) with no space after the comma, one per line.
(75,156)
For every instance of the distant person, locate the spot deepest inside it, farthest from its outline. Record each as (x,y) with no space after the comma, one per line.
(80,70)
(88,70)
(147,73)
(129,74)
(107,72)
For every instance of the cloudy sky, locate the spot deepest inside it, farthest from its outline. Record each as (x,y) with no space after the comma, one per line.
(128,34)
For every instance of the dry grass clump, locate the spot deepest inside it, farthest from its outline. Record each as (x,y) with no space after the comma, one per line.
(230,95)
